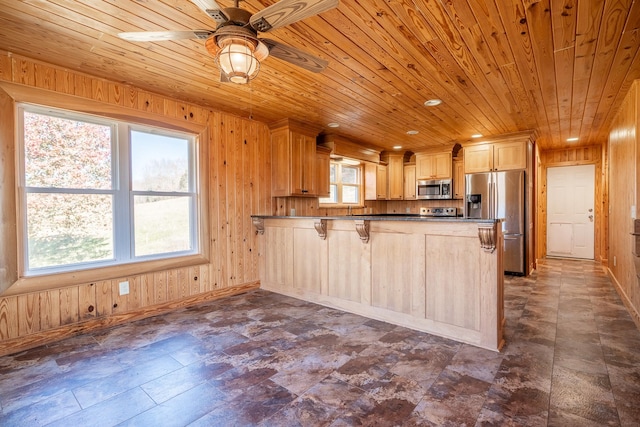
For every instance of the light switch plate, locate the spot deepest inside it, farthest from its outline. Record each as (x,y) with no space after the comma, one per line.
(124,288)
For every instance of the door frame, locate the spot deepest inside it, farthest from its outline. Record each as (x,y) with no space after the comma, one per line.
(576,156)
(567,172)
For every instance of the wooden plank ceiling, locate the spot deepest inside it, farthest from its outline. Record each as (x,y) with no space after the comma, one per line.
(560,67)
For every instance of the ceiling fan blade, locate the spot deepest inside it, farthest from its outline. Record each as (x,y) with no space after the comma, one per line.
(295,56)
(211,8)
(158,36)
(287,12)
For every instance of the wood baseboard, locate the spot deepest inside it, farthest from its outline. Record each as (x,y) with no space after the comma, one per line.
(633,311)
(16,345)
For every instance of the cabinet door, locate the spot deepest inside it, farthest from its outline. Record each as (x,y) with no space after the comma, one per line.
(395,171)
(410,182)
(478,158)
(424,166)
(433,166)
(303,159)
(323,165)
(280,159)
(458,179)
(442,165)
(509,155)
(381,182)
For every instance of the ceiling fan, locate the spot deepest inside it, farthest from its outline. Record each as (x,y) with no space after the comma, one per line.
(235,44)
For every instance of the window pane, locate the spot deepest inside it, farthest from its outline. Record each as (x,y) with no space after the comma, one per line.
(333,195)
(349,175)
(332,173)
(162,224)
(350,194)
(68,229)
(159,162)
(64,153)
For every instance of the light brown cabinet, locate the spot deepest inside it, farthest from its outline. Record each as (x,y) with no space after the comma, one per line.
(498,156)
(433,165)
(294,160)
(410,182)
(323,166)
(458,179)
(375,181)
(395,172)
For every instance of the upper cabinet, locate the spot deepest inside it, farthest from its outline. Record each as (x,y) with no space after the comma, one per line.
(458,178)
(410,182)
(496,156)
(294,160)
(433,165)
(375,181)
(323,166)
(395,172)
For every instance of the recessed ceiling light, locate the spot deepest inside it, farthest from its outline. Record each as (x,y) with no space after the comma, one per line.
(333,125)
(476,135)
(412,132)
(397,147)
(572,139)
(432,102)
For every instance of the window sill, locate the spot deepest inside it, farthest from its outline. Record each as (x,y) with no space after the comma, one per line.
(60,280)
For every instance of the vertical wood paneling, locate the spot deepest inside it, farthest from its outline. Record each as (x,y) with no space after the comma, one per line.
(69,305)
(238,186)
(572,157)
(5,68)
(104,298)
(29,314)
(184,284)
(87,301)
(9,317)
(624,178)
(160,281)
(49,310)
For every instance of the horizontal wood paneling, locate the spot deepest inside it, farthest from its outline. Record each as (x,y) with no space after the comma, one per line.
(500,66)
(238,185)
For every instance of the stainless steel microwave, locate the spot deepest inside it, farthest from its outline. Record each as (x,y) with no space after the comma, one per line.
(434,189)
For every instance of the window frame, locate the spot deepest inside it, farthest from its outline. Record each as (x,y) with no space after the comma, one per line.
(122,196)
(339,184)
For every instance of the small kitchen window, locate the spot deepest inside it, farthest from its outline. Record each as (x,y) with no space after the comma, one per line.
(345,184)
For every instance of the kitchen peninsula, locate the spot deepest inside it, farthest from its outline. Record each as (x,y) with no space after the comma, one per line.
(438,275)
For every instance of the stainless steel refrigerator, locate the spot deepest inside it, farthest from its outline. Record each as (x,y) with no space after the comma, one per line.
(501,195)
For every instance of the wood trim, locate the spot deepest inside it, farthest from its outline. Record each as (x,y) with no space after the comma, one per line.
(36,339)
(575,156)
(49,98)
(635,315)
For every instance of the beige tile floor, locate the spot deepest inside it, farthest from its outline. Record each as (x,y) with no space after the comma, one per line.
(572,358)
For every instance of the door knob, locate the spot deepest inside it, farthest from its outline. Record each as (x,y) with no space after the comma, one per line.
(591,218)
(590,210)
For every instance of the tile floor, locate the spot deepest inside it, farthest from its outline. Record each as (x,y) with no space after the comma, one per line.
(572,359)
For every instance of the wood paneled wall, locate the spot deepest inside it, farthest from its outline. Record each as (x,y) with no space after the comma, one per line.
(624,181)
(239,185)
(573,157)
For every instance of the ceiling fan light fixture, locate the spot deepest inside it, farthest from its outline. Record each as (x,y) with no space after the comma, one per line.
(237,59)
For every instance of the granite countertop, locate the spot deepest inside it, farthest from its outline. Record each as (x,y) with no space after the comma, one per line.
(388,217)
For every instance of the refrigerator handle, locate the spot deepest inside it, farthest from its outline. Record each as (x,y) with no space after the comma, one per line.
(492,200)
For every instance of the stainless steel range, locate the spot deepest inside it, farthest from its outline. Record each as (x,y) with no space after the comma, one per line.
(439,211)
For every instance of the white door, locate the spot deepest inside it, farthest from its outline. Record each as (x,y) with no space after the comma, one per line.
(570,211)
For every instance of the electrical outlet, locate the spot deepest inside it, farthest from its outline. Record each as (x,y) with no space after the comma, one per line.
(124,288)
(408,210)
(615,263)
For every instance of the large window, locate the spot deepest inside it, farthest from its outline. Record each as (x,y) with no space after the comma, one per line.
(98,192)
(346,185)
